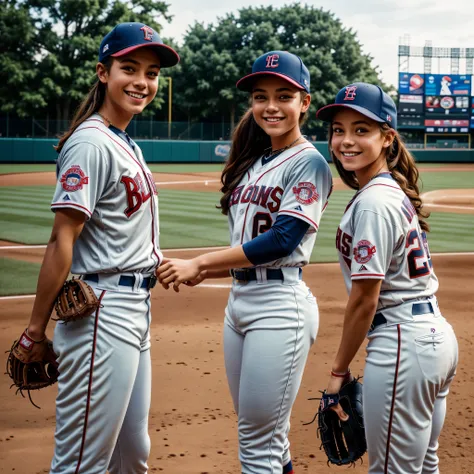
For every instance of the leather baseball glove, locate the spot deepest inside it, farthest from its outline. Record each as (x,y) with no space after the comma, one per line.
(32,364)
(344,442)
(76,300)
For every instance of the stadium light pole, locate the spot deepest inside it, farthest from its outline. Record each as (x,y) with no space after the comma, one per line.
(170,103)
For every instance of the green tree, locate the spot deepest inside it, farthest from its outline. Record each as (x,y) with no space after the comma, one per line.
(18,66)
(67,35)
(214,57)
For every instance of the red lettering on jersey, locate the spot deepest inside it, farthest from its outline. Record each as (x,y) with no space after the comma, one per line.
(272,60)
(235,197)
(146,193)
(134,196)
(247,194)
(276,195)
(263,195)
(343,243)
(255,194)
(350,93)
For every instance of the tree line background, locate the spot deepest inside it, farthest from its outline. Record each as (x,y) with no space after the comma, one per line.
(49,49)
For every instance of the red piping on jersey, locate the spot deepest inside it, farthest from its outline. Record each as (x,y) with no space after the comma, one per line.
(367,275)
(147,184)
(365,189)
(261,176)
(89,388)
(302,215)
(394,394)
(72,204)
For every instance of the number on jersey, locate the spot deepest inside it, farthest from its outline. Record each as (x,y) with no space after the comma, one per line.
(418,257)
(261,223)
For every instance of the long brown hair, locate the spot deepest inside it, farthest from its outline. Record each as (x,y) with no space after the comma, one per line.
(90,105)
(402,166)
(249,142)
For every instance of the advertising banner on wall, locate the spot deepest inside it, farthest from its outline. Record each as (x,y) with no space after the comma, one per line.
(410,104)
(410,83)
(444,84)
(447,105)
(446,126)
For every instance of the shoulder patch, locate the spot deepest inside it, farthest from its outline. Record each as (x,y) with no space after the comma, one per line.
(364,251)
(74,179)
(306,192)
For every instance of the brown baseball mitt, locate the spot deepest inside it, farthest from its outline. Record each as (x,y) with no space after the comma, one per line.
(76,300)
(32,364)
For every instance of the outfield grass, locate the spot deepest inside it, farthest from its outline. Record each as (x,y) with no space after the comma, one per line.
(17,277)
(190,219)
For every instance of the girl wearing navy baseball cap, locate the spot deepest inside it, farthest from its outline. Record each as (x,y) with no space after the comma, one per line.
(105,230)
(275,188)
(385,259)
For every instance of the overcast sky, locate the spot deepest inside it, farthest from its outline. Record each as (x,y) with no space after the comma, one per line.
(379,24)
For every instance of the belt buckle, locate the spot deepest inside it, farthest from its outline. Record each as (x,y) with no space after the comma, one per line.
(241,271)
(152,282)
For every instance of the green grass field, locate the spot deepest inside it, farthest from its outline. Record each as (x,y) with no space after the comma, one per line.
(190,219)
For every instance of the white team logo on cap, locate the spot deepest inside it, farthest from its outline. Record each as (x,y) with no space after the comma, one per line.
(106,48)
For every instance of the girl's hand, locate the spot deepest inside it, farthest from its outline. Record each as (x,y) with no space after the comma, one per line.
(334,386)
(200,278)
(178,271)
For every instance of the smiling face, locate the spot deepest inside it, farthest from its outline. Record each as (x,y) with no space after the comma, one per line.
(358,143)
(277,106)
(132,83)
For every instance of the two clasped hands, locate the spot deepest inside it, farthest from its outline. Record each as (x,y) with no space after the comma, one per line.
(174,272)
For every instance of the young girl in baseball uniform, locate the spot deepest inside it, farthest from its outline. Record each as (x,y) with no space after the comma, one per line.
(385,259)
(106,230)
(275,188)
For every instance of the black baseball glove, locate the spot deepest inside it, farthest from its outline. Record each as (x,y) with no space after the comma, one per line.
(343,441)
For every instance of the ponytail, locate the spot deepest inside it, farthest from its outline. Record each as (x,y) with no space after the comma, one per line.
(249,142)
(402,166)
(90,105)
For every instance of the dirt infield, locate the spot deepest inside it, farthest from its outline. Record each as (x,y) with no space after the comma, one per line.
(192,423)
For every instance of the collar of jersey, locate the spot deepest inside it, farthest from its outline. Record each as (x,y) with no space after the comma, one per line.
(123,135)
(270,158)
(276,155)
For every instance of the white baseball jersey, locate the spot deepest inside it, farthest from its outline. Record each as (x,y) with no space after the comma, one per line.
(105,178)
(296,183)
(380,237)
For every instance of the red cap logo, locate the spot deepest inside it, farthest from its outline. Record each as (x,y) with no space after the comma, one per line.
(147,32)
(272,60)
(350,93)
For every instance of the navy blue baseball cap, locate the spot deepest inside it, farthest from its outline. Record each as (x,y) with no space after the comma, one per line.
(283,64)
(127,37)
(367,99)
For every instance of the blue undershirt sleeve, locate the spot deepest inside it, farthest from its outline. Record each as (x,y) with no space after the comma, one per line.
(278,242)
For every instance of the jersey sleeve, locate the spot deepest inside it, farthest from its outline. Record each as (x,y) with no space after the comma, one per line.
(308,189)
(82,173)
(373,243)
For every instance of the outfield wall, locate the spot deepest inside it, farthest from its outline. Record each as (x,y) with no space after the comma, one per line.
(40,150)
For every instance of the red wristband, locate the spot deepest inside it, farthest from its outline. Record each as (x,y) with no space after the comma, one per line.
(335,374)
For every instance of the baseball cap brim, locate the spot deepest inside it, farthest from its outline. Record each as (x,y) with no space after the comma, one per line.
(327,112)
(168,56)
(246,83)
